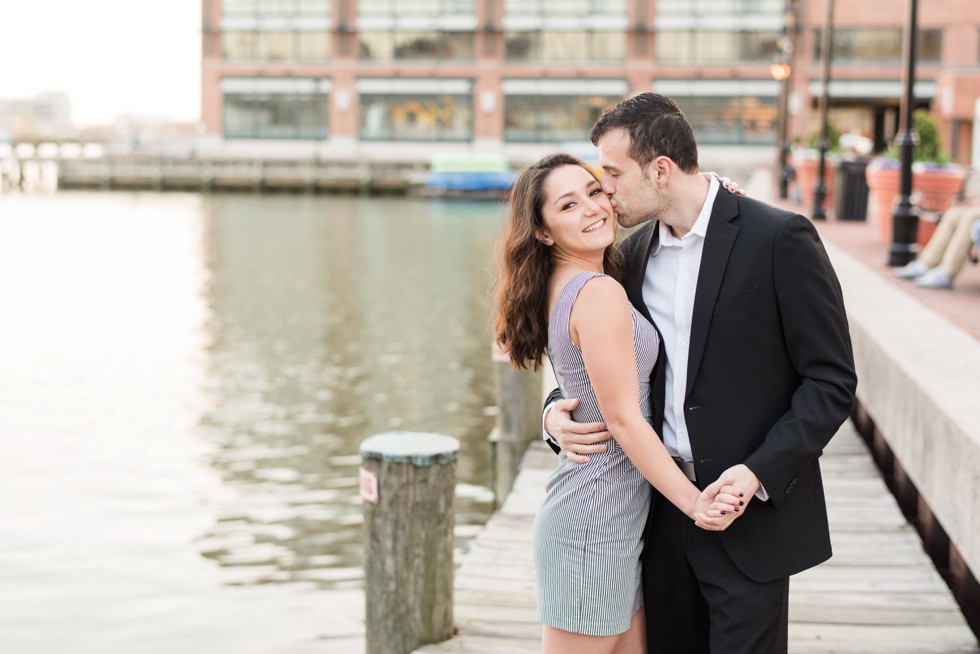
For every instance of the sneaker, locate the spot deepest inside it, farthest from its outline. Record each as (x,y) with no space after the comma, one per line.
(935,278)
(912,270)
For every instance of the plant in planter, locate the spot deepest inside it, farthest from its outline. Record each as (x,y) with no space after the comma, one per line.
(934,180)
(806,162)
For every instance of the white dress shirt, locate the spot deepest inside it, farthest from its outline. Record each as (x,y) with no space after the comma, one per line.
(668,291)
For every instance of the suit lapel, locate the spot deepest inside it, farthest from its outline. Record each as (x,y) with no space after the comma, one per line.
(718,243)
(639,258)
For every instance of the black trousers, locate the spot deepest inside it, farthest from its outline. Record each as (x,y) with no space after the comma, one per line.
(698,601)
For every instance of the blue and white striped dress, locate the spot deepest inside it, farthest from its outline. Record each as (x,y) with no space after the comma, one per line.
(589,533)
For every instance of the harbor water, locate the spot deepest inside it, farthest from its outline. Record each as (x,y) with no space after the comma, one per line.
(185,380)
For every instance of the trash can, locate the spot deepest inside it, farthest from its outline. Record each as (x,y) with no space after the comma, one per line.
(851,192)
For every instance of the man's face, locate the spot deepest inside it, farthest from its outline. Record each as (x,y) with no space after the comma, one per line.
(635,196)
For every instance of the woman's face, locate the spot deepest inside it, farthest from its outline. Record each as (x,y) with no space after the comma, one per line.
(578,216)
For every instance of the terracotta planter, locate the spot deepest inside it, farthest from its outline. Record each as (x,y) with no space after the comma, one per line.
(807,163)
(933,188)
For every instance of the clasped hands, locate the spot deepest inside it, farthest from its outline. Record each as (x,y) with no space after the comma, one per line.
(718,505)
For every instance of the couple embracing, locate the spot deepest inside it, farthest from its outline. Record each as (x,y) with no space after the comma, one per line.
(707,356)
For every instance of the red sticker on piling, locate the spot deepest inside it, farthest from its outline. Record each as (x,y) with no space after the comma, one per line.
(369,486)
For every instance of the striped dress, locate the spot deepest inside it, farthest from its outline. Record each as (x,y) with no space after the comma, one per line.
(589,533)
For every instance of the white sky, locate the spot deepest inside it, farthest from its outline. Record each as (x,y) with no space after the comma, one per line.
(110,56)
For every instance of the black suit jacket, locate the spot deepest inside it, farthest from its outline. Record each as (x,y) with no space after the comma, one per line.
(770,374)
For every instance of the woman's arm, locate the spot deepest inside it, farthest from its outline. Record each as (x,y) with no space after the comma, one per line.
(601,324)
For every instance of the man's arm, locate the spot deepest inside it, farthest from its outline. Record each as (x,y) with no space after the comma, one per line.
(561,433)
(817,340)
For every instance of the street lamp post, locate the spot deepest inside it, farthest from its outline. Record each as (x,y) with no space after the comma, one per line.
(781,72)
(905,220)
(820,192)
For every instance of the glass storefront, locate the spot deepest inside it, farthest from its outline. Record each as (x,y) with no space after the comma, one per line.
(415,7)
(741,120)
(275,46)
(878,45)
(739,112)
(556,111)
(564,7)
(552,46)
(275,7)
(714,46)
(404,45)
(415,109)
(275,108)
(720,7)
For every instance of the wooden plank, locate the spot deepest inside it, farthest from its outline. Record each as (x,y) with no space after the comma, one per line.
(464,644)
(879,593)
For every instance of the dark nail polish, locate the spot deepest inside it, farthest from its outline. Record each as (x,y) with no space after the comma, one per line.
(741,494)
(741,503)
(736,509)
(723,513)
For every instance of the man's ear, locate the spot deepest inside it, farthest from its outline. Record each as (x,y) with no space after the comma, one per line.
(661,170)
(544,237)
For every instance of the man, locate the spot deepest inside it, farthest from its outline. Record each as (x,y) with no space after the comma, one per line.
(755,376)
(948,249)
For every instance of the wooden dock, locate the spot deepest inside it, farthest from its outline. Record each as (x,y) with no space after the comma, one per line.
(880,593)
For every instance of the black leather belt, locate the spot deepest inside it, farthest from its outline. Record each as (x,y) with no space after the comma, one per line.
(687,468)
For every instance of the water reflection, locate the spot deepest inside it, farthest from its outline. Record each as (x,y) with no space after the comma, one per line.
(333,319)
(184,383)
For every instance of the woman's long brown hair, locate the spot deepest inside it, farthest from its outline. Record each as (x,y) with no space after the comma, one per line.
(524,266)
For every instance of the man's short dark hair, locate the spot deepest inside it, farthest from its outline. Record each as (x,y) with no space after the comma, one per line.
(656,127)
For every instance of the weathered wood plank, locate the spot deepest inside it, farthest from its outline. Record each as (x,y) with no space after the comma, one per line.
(465,644)
(879,593)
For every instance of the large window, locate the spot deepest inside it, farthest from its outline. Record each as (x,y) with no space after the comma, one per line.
(727,111)
(713,47)
(564,7)
(720,7)
(415,45)
(275,46)
(278,7)
(415,110)
(556,111)
(276,108)
(746,120)
(415,7)
(548,46)
(878,45)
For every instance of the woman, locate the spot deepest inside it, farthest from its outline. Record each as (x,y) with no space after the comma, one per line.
(557,293)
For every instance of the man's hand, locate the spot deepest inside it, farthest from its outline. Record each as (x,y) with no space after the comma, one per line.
(737,483)
(577,440)
(743,479)
(718,505)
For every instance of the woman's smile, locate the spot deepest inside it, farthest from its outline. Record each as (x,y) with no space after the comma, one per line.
(596,225)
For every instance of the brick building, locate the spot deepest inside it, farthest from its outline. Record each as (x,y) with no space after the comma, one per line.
(496,74)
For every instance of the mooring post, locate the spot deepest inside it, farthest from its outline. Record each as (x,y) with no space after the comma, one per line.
(408,484)
(518,419)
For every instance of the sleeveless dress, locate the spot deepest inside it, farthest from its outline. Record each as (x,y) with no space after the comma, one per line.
(588,535)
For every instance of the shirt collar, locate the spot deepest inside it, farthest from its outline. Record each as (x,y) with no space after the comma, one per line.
(700,227)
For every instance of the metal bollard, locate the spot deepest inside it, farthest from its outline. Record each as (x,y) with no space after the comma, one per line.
(408,483)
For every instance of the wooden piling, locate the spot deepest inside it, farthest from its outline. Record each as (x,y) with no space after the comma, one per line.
(408,483)
(518,420)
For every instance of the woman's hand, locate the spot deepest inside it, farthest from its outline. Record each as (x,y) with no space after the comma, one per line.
(727,183)
(718,505)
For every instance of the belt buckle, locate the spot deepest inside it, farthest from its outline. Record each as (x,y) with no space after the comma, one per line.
(687,468)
